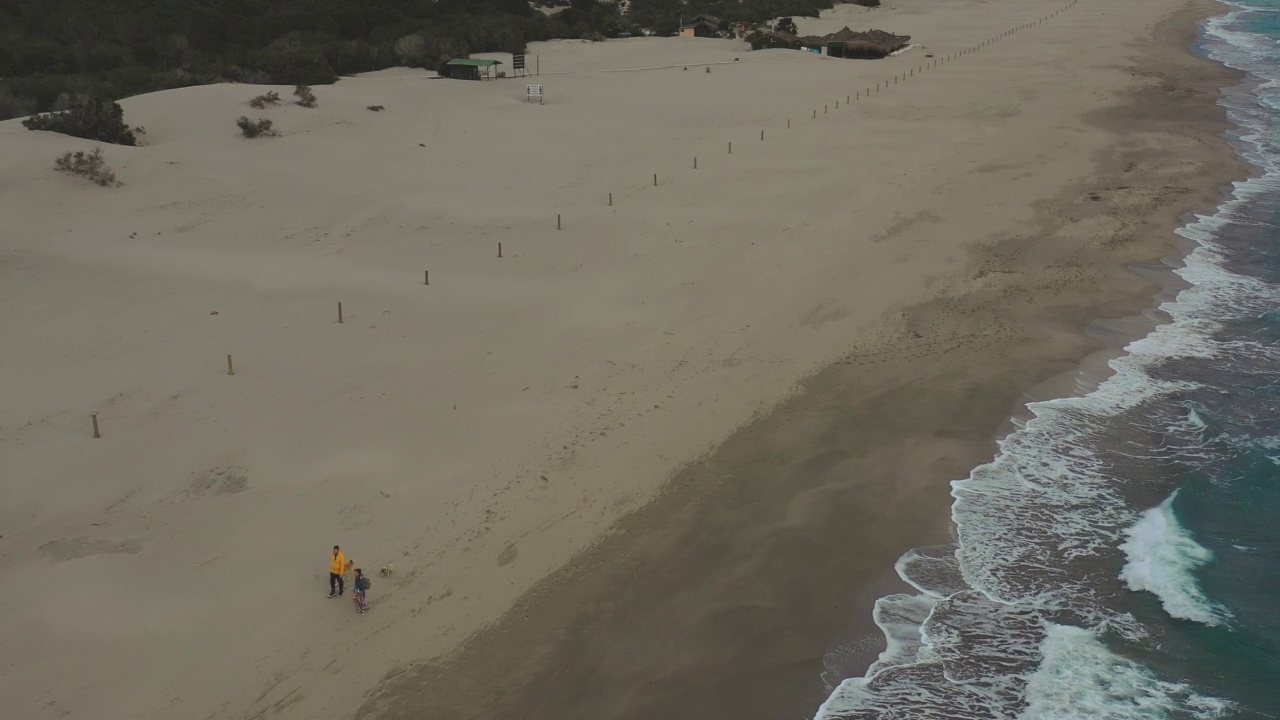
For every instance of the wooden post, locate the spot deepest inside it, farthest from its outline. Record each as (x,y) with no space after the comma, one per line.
(730,147)
(610,199)
(846,99)
(788,123)
(95,426)
(815,114)
(761,134)
(231,369)
(655,179)
(426,277)
(339,312)
(695,162)
(824,109)
(557,221)
(499,249)
(837,104)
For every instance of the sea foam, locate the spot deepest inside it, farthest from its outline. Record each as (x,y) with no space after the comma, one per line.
(1081,679)
(1162,558)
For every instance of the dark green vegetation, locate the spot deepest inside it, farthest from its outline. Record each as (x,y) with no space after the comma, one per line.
(85,117)
(51,49)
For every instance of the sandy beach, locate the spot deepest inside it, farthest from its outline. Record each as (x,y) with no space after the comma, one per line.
(655,460)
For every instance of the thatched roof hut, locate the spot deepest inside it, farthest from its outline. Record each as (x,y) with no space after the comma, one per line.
(874,44)
(844,34)
(768,40)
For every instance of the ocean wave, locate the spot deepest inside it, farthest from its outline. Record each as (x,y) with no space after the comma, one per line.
(1162,558)
(1080,679)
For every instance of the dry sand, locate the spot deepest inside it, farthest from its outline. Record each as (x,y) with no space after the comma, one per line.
(938,242)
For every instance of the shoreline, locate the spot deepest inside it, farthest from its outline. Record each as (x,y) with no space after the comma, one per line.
(587,640)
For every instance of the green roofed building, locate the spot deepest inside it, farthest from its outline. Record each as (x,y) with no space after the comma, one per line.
(468,69)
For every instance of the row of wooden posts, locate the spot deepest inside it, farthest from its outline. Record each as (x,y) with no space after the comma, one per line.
(877,88)
(426,274)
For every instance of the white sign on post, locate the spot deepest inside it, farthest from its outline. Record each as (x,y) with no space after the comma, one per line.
(534,92)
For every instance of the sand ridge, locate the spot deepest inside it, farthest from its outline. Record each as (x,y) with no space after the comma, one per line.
(480,430)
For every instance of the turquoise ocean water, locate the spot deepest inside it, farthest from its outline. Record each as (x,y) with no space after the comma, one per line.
(1120,556)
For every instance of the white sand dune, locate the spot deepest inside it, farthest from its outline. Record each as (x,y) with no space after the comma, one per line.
(480,430)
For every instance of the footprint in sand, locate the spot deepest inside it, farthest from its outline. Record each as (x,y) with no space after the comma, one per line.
(227,480)
(75,548)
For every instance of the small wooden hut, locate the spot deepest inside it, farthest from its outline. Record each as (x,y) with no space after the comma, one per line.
(778,39)
(469,69)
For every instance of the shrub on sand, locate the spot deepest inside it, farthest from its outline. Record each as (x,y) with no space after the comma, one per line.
(86,117)
(87,165)
(306,98)
(376,108)
(270,98)
(255,128)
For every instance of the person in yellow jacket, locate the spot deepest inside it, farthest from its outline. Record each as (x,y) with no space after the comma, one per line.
(338,566)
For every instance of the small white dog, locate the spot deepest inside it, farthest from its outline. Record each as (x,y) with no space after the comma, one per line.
(388,570)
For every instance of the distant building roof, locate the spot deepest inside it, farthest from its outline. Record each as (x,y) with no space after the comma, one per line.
(844,34)
(774,39)
(474,63)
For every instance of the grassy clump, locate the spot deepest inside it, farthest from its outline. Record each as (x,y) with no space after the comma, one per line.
(270,98)
(91,166)
(256,128)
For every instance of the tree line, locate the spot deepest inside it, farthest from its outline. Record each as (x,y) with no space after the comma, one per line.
(54,50)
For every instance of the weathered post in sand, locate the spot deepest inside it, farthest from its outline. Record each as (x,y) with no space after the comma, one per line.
(655,179)
(695,162)
(426,277)
(557,221)
(231,369)
(730,147)
(499,249)
(610,199)
(95,426)
(761,134)
(339,312)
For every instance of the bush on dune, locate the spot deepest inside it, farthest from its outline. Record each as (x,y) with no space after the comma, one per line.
(270,98)
(306,98)
(91,166)
(261,127)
